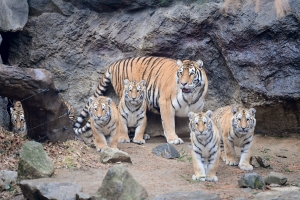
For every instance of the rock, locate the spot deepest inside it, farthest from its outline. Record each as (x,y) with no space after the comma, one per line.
(252,180)
(113,155)
(272,195)
(13,15)
(4,116)
(187,196)
(258,161)
(166,151)
(0,53)
(34,162)
(119,184)
(276,178)
(77,40)
(286,189)
(82,196)
(7,178)
(34,189)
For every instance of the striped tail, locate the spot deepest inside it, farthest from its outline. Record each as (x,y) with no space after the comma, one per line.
(102,86)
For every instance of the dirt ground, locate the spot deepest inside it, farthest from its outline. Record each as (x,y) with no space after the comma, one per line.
(159,175)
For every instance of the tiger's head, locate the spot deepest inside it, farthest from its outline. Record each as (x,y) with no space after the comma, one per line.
(99,108)
(189,75)
(18,119)
(200,123)
(134,92)
(243,120)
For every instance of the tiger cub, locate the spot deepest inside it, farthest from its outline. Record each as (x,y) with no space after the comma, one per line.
(132,108)
(104,122)
(18,118)
(205,140)
(236,127)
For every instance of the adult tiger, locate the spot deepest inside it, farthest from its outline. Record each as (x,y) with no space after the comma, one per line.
(132,108)
(236,127)
(18,118)
(104,122)
(205,140)
(174,88)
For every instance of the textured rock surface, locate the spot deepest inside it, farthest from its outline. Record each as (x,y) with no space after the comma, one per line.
(257,161)
(119,184)
(34,162)
(276,178)
(166,151)
(250,58)
(46,114)
(252,180)
(13,15)
(4,116)
(187,196)
(112,155)
(277,195)
(35,189)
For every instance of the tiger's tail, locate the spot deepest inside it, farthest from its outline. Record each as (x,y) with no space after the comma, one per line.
(101,88)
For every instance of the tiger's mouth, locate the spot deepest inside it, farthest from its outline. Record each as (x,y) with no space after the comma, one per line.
(184,90)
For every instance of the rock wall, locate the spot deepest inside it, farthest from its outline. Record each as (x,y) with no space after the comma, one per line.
(251,58)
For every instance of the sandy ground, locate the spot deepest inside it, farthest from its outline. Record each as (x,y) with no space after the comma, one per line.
(159,175)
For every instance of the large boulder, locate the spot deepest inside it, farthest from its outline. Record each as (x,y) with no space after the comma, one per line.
(119,184)
(13,15)
(34,162)
(250,57)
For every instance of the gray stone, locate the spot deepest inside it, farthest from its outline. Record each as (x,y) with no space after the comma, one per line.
(113,155)
(258,161)
(77,40)
(252,180)
(7,178)
(34,189)
(187,196)
(82,196)
(34,162)
(13,15)
(166,151)
(119,184)
(276,178)
(4,116)
(276,195)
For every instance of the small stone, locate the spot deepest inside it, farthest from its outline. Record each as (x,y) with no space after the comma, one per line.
(252,180)
(166,151)
(276,178)
(113,155)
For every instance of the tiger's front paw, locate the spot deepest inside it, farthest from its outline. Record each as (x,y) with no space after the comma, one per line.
(138,141)
(198,178)
(146,136)
(232,161)
(246,167)
(176,141)
(212,178)
(124,140)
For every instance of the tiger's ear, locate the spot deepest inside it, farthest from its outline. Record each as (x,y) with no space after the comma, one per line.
(190,115)
(179,63)
(126,81)
(209,114)
(143,82)
(200,63)
(234,109)
(252,111)
(91,99)
(108,100)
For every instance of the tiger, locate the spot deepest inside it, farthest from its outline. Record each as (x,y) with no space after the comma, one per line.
(173,88)
(205,141)
(18,118)
(132,108)
(236,127)
(104,122)
(71,112)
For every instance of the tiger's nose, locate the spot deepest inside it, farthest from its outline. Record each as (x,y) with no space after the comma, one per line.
(183,84)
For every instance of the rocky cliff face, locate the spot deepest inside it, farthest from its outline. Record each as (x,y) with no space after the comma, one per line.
(251,58)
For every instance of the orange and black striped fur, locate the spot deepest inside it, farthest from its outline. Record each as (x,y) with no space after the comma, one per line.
(205,140)
(18,118)
(236,127)
(104,122)
(174,88)
(132,108)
